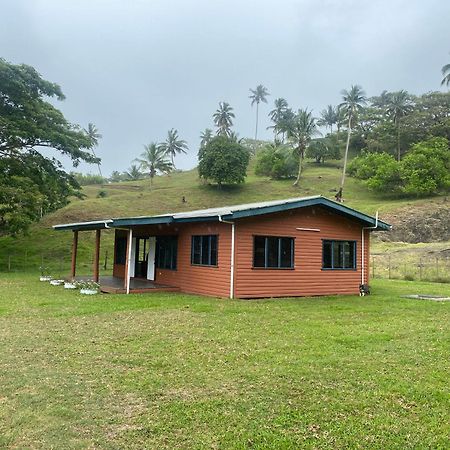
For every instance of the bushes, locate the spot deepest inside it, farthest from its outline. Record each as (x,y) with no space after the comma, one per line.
(322,149)
(276,162)
(425,170)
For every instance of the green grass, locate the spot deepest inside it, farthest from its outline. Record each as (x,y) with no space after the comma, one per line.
(181,371)
(136,198)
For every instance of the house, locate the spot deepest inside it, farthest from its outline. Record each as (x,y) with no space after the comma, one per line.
(294,247)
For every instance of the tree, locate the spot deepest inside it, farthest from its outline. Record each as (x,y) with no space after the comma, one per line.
(446,75)
(353,101)
(223,119)
(398,105)
(277,114)
(28,125)
(133,173)
(173,145)
(154,160)
(94,135)
(324,148)
(257,96)
(206,136)
(301,130)
(223,161)
(329,117)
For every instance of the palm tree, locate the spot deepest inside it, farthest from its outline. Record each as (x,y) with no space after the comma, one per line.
(398,105)
(277,114)
(94,136)
(173,145)
(353,101)
(133,173)
(302,128)
(329,117)
(205,136)
(223,119)
(257,96)
(446,74)
(154,160)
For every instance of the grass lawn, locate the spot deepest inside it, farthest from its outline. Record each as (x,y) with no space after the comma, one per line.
(182,371)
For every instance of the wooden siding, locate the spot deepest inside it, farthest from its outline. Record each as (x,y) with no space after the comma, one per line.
(307,278)
(214,281)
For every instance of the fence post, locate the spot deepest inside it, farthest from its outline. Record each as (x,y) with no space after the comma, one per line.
(106,260)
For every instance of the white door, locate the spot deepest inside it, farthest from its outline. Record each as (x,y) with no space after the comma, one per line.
(151,258)
(133,257)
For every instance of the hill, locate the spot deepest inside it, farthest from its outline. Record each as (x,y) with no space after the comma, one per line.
(44,246)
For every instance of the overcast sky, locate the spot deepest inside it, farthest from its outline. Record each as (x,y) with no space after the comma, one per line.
(137,68)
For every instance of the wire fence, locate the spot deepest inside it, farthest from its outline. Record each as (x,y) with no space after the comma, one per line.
(434,268)
(55,263)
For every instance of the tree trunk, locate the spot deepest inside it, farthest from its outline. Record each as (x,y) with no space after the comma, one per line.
(398,143)
(300,163)
(256,128)
(349,132)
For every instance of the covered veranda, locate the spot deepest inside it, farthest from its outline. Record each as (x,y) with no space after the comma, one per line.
(109,284)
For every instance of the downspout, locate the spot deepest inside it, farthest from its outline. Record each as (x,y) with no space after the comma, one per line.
(232,255)
(362,246)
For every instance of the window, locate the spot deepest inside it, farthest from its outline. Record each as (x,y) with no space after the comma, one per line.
(273,252)
(204,250)
(166,252)
(120,250)
(339,255)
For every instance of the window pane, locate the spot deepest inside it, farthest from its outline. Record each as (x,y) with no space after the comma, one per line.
(338,255)
(205,250)
(196,249)
(286,252)
(327,246)
(213,250)
(258,251)
(272,252)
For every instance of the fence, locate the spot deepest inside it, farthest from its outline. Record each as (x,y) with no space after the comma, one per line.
(426,267)
(55,263)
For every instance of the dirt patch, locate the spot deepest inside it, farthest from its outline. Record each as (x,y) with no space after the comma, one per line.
(423,223)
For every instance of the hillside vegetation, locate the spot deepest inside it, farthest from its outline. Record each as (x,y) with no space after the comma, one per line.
(139,198)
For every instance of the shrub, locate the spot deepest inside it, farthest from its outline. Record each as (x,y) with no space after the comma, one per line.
(223,160)
(366,165)
(276,162)
(321,149)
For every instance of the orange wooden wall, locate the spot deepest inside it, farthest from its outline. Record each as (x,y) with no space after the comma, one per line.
(307,277)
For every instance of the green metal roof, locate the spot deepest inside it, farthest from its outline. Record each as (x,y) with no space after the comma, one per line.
(230,213)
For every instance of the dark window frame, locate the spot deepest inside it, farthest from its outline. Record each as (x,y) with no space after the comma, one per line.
(266,255)
(172,248)
(201,238)
(339,241)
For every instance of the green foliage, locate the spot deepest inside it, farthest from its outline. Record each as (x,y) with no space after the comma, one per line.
(154,160)
(223,160)
(322,149)
(367,165)
(223,119)
(276,162)
(425,170)
(102,194)
(88,178)
(31,184)
(173,145)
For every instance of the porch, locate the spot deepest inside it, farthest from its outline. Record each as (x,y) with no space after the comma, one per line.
(115,285)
